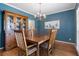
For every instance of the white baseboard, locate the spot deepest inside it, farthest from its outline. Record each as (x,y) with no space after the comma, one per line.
(1,48)
(67,42)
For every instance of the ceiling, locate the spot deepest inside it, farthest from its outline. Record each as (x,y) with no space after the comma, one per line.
(46,8)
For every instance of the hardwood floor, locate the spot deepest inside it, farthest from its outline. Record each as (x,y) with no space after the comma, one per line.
(65,49)
(61,49)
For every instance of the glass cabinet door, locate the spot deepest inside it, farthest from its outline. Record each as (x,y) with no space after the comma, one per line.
(24,26)
(18,23)
(10,23)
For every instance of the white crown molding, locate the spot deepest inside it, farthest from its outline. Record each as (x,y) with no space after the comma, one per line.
(17,8)
(60,11)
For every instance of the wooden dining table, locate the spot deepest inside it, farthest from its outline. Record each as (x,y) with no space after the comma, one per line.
(39,40)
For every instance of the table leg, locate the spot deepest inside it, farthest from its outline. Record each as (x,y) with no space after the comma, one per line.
(38,49)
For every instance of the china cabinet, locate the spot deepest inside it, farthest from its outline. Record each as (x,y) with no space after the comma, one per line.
(13,21)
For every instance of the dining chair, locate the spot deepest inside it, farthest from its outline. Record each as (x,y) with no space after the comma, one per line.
(50,44)
(28,47)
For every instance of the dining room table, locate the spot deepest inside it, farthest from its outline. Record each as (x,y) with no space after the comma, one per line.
(38,40)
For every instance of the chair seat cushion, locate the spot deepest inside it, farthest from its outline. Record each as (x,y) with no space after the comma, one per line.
(32,47)
(31,50)
(29,43)
(45,45)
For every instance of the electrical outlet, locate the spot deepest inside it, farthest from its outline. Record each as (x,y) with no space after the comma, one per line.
(69,39)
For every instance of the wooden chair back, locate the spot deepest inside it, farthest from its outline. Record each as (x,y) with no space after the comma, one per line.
(52,38)
(30,33)
(50,30)
(21,40)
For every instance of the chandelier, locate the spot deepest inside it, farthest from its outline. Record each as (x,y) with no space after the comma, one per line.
(39,14)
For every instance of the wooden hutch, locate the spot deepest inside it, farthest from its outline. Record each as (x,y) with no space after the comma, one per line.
(13,21)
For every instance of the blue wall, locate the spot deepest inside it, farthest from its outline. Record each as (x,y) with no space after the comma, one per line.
(0,28)
(67,25)
(11,9)
(40,27)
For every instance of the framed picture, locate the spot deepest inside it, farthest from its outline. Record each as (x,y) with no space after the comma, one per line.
(52,24)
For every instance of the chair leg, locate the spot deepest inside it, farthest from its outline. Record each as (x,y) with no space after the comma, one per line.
(36,53)
(41,51)
(48,52)
(53,51)
(53,48)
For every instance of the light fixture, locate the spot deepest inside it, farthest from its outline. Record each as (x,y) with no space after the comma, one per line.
(39,14)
